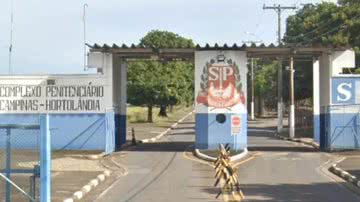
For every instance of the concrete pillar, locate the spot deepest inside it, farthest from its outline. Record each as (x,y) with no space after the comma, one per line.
(280,104)
(316,99)
(325,67)
(120,100)
(292,106)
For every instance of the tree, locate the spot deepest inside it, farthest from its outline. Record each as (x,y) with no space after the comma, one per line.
(161,83)
(326,24)
(265,83)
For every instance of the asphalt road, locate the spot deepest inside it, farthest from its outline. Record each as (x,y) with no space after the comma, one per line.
(289,172)
(162,172)
(280,171)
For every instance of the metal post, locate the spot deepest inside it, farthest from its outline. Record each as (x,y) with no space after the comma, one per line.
(8,163)
(84,27)
(32,187)
(252,116)
(292,107)
(45,159)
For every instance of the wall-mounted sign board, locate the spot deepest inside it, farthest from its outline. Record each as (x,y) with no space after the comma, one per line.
(52,95)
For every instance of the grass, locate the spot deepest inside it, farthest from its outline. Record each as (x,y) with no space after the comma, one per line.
(139,114)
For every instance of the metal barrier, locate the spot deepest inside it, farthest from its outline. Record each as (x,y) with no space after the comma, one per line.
(21,166)
(226,175)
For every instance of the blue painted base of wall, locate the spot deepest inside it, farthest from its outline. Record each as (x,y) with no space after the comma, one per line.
(68,131)
(340,131)
(210,133)
(120,130)
(317,128)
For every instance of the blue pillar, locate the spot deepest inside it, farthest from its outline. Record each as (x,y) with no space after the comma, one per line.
(110,131)
(8,163)
(45,159)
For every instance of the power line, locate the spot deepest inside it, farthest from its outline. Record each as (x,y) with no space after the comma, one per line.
(338,28)
(322,25)
(278,8)
(309,32)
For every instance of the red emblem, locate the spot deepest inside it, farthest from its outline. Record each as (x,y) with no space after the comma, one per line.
(236,121)
(221,86)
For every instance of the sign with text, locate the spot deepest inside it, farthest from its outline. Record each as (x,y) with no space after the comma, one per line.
(235,124)
(52,98)
(345,90)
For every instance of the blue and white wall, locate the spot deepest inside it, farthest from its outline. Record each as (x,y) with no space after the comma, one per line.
(212,100)
(335,103)
(114,70)
(80,107)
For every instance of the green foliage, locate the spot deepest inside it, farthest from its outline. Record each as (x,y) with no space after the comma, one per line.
(153,83)
(165,39)
(326,24)
(265,80)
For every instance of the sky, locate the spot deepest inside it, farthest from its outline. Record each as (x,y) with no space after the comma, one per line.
(48,35)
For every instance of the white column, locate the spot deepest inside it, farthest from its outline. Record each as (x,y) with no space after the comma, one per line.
(123,88)
(316,99)
(280,99)
(292,106)
(252,110)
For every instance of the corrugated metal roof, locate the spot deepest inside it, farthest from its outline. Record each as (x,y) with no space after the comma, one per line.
(252,50)
(216,46)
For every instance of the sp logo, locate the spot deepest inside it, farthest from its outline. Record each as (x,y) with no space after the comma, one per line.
(344,92)
(221,85)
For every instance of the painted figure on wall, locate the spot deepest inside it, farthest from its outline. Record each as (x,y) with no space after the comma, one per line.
(221,86)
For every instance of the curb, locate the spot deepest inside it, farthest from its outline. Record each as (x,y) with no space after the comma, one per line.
(313,144)
(156,138)
(344,175)
(205,157)
(96,156)
(88,187)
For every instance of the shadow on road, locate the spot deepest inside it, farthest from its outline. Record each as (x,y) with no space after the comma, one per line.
(304,192)
(263,139)
(161,147)
(281,149)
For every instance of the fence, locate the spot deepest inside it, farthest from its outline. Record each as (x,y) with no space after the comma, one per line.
(341,127)
(21,165)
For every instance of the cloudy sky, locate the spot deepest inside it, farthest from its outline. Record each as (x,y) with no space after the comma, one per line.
(48,35)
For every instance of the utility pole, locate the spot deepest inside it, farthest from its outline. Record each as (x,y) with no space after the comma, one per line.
(11,35)
(84,30)
(278,8)
(252,104)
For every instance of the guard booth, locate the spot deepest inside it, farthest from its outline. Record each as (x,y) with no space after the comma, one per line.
(220,99)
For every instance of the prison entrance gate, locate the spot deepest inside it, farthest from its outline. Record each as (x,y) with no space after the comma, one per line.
(220,86)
